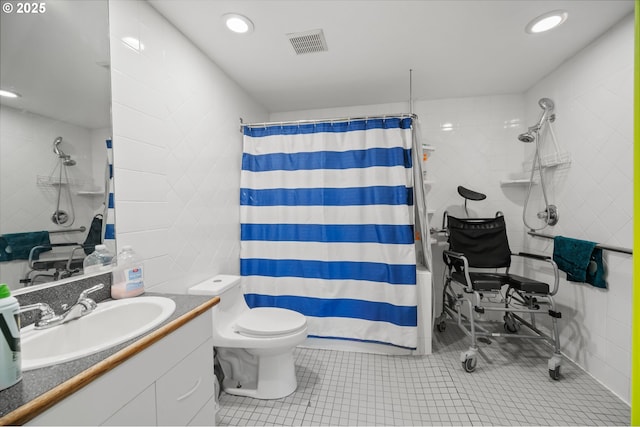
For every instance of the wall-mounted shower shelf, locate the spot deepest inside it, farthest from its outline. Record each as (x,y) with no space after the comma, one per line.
(520,181)
(91,193)
(53,181)
(427,147)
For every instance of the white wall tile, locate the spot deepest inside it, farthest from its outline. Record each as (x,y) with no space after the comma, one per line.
(177,151)
(594,123)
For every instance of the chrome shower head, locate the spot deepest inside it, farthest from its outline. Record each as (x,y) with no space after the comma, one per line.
(546,104)
(527,137)
(57,150)
(66,159)
(547,115)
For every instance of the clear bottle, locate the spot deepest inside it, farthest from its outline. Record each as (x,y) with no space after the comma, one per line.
(10,356)
(128,276)
(101,259)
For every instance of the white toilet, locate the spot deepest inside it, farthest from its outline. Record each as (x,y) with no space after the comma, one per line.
(255,346)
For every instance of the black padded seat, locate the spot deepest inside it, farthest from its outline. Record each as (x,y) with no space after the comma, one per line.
(527,285)
(482,281)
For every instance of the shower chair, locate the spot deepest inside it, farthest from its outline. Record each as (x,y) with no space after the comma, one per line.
(62,265)
(477,280)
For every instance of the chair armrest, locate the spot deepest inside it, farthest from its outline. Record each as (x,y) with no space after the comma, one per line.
(33,252)
(453,254)
(71,257)
(533,256)
(547,259)
(447,255)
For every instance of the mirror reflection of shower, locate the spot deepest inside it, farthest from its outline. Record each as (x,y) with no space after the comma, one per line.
(533,134)
(60,216)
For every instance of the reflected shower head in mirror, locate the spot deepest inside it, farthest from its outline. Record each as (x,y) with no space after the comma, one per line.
(66,159)
(527,137)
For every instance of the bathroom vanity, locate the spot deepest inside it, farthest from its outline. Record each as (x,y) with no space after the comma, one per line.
(164,377)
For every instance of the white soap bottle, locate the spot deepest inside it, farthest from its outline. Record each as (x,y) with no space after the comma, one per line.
(10,356)
(128,276)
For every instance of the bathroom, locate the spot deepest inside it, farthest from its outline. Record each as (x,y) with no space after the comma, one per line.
(175,125)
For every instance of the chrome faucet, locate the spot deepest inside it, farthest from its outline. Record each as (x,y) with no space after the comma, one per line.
(49,319)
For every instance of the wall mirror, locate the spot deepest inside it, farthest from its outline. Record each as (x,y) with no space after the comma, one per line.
(53,151)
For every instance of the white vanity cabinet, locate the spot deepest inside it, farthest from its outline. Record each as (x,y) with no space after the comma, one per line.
(169,383)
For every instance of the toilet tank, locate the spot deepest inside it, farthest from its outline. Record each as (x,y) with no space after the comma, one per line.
(228,288)
(216,285)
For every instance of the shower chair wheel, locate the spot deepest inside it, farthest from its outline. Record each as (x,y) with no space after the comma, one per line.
(510,323)
(469,360)
(469,364)
(554,367)
(441,326)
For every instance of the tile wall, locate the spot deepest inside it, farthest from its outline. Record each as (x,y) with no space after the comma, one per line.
(29,166)
(177,151)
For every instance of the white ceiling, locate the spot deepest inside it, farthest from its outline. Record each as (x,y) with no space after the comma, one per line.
(58,61)
(455,48)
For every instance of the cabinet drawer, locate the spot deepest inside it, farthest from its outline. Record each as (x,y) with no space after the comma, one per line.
(186,388)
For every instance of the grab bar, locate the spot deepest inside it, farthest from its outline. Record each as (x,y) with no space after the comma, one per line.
(70,230)
(605,247)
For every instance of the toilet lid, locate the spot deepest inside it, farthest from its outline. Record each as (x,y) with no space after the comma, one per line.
(270,321)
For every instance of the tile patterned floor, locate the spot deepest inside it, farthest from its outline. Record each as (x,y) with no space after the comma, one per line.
(510,386)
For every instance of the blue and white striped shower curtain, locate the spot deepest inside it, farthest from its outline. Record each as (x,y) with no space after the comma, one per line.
(109,214)
(327,226)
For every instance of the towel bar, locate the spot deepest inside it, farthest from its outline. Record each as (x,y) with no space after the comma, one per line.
(605,247)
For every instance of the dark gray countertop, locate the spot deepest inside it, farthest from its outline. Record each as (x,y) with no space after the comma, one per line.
(39,381)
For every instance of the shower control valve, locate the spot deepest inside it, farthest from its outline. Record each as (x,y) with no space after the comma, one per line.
(549,215)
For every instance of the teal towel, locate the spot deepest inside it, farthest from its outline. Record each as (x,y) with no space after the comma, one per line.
(580,259)
(18,245)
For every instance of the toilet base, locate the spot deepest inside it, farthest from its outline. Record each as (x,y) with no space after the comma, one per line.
(276,377)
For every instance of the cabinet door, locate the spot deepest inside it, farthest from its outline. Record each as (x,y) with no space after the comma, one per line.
(207,415)
(186,388)
(141,411)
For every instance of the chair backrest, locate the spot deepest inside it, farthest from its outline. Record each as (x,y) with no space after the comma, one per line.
(94,236)
(483,241)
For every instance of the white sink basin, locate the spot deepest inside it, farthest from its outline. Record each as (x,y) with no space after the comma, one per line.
(112,323)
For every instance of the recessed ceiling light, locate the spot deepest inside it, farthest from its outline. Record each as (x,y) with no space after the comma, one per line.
(238,23)
(9,94)
(546,21)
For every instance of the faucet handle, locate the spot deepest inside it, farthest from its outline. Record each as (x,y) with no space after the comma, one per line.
(86,292)
(87,303)
(46,312)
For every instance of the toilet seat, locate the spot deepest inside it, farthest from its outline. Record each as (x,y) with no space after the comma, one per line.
(265,322)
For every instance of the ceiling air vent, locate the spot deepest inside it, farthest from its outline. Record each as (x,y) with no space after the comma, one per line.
(308,42)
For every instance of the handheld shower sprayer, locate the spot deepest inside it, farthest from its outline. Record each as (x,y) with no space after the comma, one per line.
(550,214)
(66,158)
(547,106)
(61,217)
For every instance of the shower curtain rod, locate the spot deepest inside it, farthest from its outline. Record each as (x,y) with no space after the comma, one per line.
(340,119)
